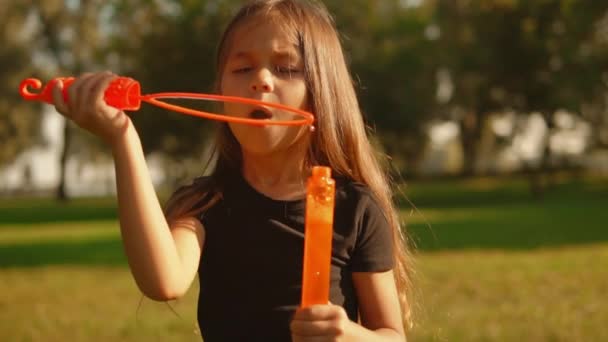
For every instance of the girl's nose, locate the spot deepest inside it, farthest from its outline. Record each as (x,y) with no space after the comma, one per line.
(263,87)
(262,82)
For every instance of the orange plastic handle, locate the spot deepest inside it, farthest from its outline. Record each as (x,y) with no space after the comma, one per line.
(318,234)
(122,93)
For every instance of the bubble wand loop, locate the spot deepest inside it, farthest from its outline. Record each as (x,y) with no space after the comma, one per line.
(124,93)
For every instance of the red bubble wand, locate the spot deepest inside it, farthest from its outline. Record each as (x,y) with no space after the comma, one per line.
(124,93)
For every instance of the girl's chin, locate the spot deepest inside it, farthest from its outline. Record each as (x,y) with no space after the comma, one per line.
(266,139)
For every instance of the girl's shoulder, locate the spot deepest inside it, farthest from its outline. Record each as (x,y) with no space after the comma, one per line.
(356,194)
(352,189)
(200,182)
(364,227)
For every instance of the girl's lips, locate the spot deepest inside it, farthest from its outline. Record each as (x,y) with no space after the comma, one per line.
(260,113)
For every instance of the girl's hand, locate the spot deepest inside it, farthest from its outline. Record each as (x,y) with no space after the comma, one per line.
(320,323)
(87,108)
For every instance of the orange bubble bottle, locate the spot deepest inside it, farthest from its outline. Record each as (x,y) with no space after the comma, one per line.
(318,233)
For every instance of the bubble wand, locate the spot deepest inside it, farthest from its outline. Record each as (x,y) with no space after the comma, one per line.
(318,233)
(124,93)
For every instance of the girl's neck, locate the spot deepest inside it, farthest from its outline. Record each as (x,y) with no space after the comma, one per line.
(281,175)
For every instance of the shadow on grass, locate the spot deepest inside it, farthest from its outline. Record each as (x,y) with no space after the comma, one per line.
(488,234)
(498,192)
(508,217)
(49,212)
(522,226)
(98,252)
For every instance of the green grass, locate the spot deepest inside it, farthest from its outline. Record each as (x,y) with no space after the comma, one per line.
(84,303)
(541,295)
(501,214)
(493,264)
(27,212)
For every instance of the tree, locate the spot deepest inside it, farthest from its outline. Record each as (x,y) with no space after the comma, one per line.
(530,56)
(69,38)
(19,122)
(393,61)
(175,54)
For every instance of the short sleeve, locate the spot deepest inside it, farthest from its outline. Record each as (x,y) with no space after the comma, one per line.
(373,250)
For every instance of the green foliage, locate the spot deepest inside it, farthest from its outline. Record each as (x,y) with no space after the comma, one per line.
(19,124)
(392,63)
(522,55)
(499,54)
(176,53)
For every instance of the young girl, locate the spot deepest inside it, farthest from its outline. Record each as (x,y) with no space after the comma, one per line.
(242,228)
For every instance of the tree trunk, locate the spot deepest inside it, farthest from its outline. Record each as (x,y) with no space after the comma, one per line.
(540,177)
(470,132)
(51,24)
(61,192)
(536,181)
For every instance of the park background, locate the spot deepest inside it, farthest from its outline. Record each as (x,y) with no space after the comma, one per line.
(494,114)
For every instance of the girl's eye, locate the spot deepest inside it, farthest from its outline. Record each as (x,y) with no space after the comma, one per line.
(241,70)
(287,69)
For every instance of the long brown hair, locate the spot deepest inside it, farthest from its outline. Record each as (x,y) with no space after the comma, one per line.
(340,140)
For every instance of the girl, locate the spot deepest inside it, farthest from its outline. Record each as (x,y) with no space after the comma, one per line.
(241,228)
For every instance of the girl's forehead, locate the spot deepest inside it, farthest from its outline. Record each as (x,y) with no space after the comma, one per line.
(256,33)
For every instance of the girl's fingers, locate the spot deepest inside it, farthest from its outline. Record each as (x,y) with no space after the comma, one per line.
(60,105)
(86,95)
(99,88)
(318,312)
(300,338)
(315,328)
(74,94)
(87,108)
(319,320)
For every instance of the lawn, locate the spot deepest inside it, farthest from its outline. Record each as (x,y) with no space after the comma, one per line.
(493,264)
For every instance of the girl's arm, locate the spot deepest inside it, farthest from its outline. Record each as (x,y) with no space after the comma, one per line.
(379,304)
(163,261)
(378,307)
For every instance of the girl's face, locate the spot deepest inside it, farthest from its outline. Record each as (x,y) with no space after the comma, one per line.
(264,63)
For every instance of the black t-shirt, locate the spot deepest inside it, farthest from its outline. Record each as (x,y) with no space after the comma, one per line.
(251,266)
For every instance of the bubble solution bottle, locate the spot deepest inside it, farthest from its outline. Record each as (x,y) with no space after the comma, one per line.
(318,236)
